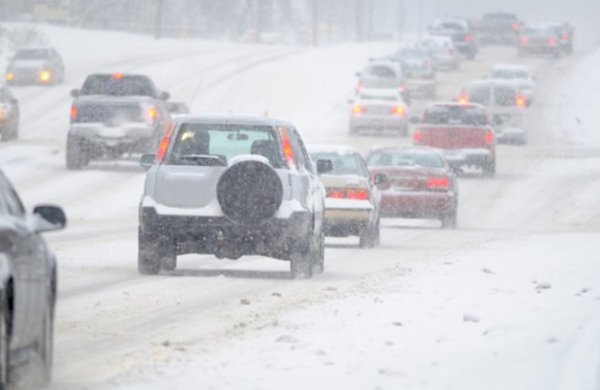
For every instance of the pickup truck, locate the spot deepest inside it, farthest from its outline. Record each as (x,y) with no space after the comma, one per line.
(462,131)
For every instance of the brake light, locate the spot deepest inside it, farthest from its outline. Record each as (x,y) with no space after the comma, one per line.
(438,183)
(286,148)
(348,193)
(521,101)
(73,113)
(468,38)
(523,40)
(489,137)
(515,26)
(417,136)
(161,153)
(463,99)
(552,41)
(565,36)
(402,88)
(117,76)
(357,109)
(399,110)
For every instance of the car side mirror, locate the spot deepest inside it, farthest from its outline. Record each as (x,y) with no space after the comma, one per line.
(415,120)
(380,178)
(147,160)
(48,218)
(164,95)
(324,166)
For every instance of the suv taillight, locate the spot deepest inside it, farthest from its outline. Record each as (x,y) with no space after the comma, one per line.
(286,148)
(73,113)
(161,153)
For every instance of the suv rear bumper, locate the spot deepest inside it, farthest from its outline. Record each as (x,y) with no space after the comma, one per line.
(219,236)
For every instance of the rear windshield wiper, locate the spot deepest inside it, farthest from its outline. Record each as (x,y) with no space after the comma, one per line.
(208,160)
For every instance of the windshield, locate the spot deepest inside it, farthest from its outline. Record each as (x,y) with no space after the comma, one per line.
(456,115)
(224,142)
(510,74)
(388,98)
(399,158)
(32,54)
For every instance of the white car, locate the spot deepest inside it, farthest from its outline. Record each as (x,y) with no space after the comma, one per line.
(442,51)
(380,110)
(519,75)
(352,202)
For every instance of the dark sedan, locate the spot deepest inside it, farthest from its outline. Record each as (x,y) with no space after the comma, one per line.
(27,285)
(420,183)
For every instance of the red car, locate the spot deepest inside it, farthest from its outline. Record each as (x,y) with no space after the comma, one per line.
(420,183)
(464,133)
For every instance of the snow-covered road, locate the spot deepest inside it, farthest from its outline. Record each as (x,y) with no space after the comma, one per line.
(510,300)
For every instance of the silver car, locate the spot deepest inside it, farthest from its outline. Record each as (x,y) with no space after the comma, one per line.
(232,186)
(379,110)
(442,50)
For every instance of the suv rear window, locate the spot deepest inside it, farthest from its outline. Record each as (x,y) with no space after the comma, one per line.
(32,54)
(456,115)
(196,143)
(127,85)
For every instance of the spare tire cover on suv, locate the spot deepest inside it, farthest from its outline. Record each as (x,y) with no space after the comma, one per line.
(250,192)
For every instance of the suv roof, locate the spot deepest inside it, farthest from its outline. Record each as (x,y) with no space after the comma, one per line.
(231,119)
(118,84)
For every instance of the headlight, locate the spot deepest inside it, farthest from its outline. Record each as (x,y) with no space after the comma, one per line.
(10,76)
(45,75)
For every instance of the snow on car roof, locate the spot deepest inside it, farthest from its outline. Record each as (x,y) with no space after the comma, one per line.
(217,118)
(510,67)
(451,103)
(325,148)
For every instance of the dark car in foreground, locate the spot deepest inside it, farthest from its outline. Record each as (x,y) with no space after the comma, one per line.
(231,186)
(9,115)
(462,131)
(420,183)
(27,285)
(35,65)
(114,115)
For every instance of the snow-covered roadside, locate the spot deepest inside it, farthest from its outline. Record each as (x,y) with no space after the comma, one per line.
(501,316)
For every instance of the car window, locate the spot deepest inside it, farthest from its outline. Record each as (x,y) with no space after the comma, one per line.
(396,158)
(119,85)
(479,94)
(510,74)
(456,115)
(31,54)
(389,98)
(343,163)
(380,71)
(504,95)
(223,141)
(11,200)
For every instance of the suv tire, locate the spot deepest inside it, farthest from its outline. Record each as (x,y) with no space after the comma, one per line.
(449,220)
(4,342)
(75,155)
(148,261)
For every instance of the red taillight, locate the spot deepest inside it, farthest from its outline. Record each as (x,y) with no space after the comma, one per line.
(417,136)
(489,137)
(515,26)
(402,88)
(523,40)
(399,110)
(286,148)
(565,36)
(552,41)
(357,109)
(348,193)
(438,183)
(521,101)
(468,38)
(73,113)
(463,99)
(164,145)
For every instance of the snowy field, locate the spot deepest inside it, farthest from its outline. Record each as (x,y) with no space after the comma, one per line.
(509,300)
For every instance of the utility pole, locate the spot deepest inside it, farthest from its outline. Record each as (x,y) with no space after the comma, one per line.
(158,20)
(315,22)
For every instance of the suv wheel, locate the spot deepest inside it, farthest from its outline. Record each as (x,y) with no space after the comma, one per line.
(370,236)
(45,348)
(449,219)
(318,265)
(167,253)
(4,343)
(76,157)
(148,262)
(306,258)
(489,168)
